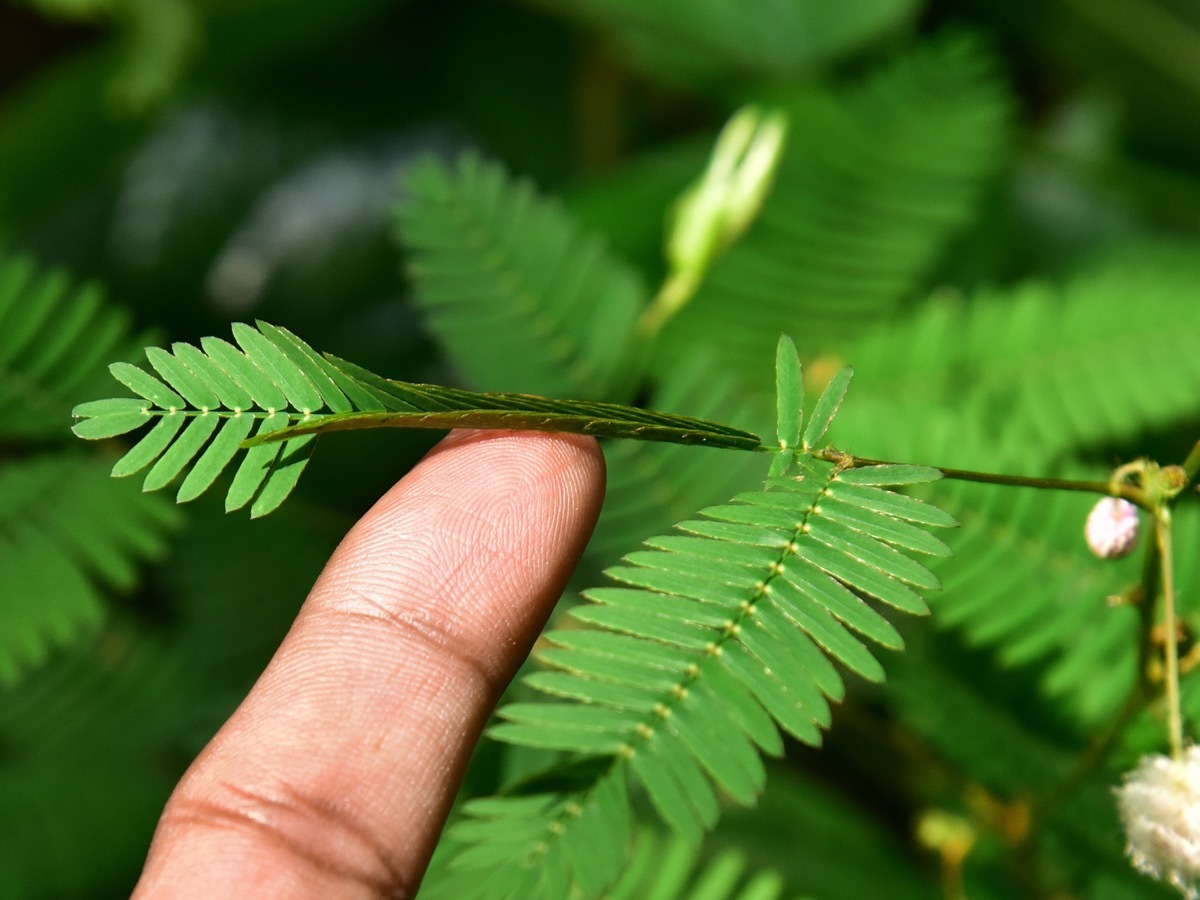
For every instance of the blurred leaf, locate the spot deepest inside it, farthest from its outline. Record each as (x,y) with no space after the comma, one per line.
(55,341)
(874,182)
(68,534)
(825,840)
(1080,840)
(93,741)
(519,295)
(706,43)
(1109,354)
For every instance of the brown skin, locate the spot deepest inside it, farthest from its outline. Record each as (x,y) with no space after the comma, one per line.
(334,777)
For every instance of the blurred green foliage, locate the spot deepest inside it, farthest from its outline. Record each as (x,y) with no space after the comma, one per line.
(992,210)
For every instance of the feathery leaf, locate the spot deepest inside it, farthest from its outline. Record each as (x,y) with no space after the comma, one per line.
(204,404)
(55,339)
(708,44)
(519,296)
(1056,366)
(710,639)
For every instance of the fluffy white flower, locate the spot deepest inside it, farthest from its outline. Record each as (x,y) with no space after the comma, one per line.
(1112,527)
(1160,809)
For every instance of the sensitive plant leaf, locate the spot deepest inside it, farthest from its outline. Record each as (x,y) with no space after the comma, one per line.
(283,370)
(311,364)
(263,392)
(662,867)
(197,394)
(256,465)
(181,452)
(711,639)
(227,388)
(204,404)
(95,425)
(285,471)
(217,455)
(146,385)
(891,474)
(150,447)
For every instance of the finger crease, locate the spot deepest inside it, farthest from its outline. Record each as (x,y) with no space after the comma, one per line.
(426,632)
(286,822)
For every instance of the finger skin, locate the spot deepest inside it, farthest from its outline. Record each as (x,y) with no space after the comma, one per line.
(335,776)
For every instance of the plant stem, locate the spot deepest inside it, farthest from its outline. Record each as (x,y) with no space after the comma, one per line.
(1130,492)
(1191,465)
(1152,568)
(675,292)
(1162,523)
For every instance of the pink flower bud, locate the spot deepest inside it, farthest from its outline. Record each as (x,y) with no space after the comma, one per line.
(1112,528)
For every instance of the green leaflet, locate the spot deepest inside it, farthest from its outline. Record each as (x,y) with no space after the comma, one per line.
(282,369)
(215,458)
(264,393)
(146,385)
(181,452)
(116,416)
(193,388)
(789,393)
(661,868)
(827,406)
(150,447)
(256,466)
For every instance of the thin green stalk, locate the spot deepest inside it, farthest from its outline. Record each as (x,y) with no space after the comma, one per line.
(1191,465)
(1162,529)
(674,294)
(1130,492)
